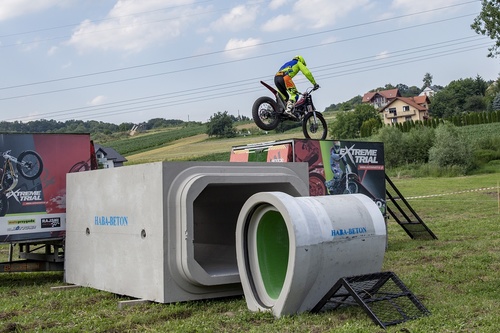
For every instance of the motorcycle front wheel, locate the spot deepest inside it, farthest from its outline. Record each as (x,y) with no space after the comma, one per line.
(352,188)
(265,113)
(314,126)
(30,164)
(79,167)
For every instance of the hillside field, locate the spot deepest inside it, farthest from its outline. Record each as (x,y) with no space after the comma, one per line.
(154,147)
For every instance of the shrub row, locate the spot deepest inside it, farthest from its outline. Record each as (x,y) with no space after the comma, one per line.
(465,119)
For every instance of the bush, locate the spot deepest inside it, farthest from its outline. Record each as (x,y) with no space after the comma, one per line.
(483,156)
(370,127)
(287,125)
(394,146)
(348,124)
(221,125)
(451,149)
(418,143)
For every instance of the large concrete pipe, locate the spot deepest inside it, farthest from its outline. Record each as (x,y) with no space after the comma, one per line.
(291,251)
(165,232)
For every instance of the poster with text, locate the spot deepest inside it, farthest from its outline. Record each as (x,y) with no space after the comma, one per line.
(33,170)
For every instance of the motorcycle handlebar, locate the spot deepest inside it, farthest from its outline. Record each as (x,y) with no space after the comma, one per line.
(310,90)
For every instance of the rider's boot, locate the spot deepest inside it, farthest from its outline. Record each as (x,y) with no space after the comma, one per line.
(289,108)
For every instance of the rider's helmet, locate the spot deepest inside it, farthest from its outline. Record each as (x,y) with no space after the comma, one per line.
(336,147)
(300,59)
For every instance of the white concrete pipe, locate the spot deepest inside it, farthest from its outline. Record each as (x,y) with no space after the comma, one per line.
(291,250)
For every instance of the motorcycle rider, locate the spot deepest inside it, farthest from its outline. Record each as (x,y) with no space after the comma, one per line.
(335,158)
(286,86)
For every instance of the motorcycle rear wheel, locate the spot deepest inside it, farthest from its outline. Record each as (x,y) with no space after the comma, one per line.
(314,127)
(265,113)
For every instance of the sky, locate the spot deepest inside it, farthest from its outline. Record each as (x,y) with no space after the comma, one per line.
(129,61)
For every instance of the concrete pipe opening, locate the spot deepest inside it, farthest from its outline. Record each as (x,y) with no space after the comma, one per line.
(268,238)
(292,250)
(205,224)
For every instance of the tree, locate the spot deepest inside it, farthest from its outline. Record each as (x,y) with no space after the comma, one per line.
(490,93)
(474,104)
(370,127)
(452,99)
(345,106)
(427,80)
(406,91)
(394,147)
(221,125)
(347,124)
(451,149)
(412,91)
(487,23)
(417,143)
(496,102)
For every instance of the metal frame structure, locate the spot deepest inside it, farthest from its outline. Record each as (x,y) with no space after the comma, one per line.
(383,296)
(37,256)
(405,215)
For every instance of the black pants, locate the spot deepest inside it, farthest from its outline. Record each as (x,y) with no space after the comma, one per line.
(279,82)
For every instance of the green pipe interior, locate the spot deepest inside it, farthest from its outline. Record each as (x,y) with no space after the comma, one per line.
(272,252)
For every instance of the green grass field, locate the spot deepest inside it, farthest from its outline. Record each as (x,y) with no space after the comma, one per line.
(457,277)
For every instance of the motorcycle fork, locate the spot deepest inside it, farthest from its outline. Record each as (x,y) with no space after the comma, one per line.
(9,168)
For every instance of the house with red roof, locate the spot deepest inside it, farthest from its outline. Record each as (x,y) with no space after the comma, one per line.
(402,109)
(396,109)
(379,99)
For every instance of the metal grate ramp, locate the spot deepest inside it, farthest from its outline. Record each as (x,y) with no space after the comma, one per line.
(404,214)
(383,296)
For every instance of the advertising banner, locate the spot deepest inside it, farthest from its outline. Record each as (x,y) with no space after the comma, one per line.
(279,153)
(335,167)
(355,167)
(239,156)
(33,171)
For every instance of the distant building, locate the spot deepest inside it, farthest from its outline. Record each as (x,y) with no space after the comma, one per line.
(429,91)
(108,157)
(379,99)
(403,109)
(396,109)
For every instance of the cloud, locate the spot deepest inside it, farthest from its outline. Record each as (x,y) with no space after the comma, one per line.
(280,22)
(239,48)
(408,6)
(329,40)
(240,17)
(313,14)
(382,55)
(67,65)
(404,7)
(275,4)
(326,12)
(134,25)
(14,8)
(52,51)
(97,100)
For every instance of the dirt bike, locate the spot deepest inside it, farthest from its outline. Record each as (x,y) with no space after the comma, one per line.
(268,113)
(29,164)
(348,183)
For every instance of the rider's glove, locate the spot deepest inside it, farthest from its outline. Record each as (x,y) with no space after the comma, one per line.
(316,87)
